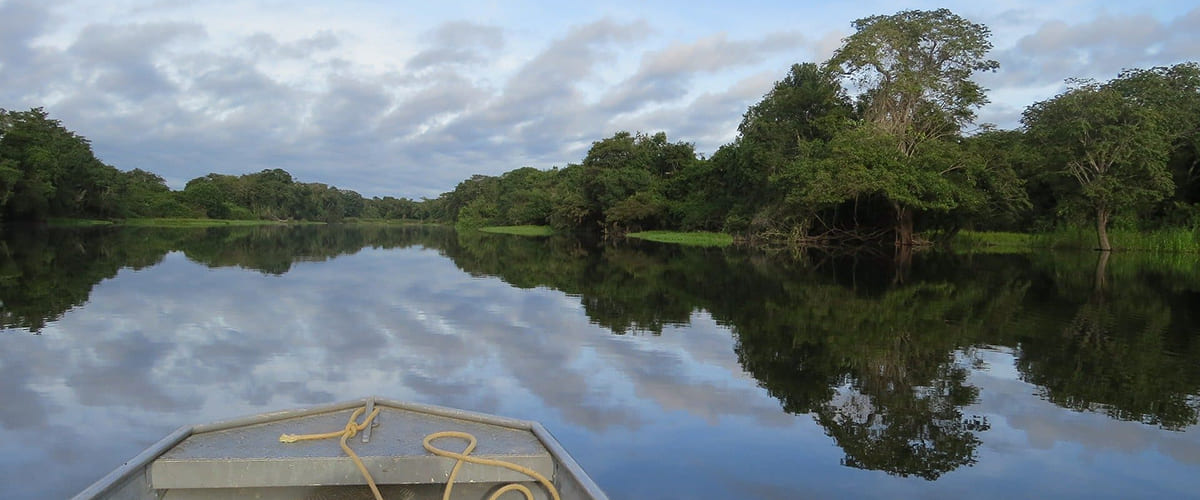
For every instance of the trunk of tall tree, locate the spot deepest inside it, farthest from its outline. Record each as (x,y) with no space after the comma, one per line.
(903,264)
(1100,283)
(904,225)
(1102,228)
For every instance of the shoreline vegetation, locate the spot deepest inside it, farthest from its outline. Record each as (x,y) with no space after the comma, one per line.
(183,222)
(526,230)
(1167,240)
(177,222)
(845,152)
(688,238)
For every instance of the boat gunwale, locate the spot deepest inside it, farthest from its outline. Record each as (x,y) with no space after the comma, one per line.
(143,460)
(138,463)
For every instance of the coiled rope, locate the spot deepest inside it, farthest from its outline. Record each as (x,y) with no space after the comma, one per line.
(465,457)
(352,428)
(348,432)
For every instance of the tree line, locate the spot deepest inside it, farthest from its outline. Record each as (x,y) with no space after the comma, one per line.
(48,171)
(870,145)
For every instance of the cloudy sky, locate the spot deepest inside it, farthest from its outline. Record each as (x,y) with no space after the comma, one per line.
(408,98)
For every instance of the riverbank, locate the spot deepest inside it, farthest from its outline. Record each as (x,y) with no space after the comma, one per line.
(165,222)
(696,238)
(186,222)
(178,222)
(519,230)
(1171,240)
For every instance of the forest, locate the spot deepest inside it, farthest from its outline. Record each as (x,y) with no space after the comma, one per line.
(873,145)
(48,172)
(877,144)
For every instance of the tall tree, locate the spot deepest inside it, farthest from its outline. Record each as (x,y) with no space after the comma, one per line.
(47,170)
(999,155)
(1174,92)
(806,107)
(623,180)
(1113,146)
(143,194)
(912,70)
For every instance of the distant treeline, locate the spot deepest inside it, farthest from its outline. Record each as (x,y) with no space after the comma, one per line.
(48,171)
(867,146)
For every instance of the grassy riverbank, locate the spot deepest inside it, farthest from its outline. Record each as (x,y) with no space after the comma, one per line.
(698,238)
(1177,240)
(168,222)
(199,222)
(371,221)
(181,222)
(519,230)
(77,222)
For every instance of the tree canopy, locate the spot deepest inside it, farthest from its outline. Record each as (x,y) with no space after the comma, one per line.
(48,171)
(1114,148)
(913,70)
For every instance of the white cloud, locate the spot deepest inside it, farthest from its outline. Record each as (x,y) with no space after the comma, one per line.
(458,43)
(666,75)
(1035,66)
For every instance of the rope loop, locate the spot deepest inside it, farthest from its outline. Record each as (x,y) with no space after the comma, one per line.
(350,430)
(463,457)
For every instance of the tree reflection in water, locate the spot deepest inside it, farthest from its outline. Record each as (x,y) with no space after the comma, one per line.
(881,363)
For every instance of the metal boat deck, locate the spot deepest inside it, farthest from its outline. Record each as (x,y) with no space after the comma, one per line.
(243,458)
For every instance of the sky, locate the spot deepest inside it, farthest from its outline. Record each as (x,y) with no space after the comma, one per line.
(406,99)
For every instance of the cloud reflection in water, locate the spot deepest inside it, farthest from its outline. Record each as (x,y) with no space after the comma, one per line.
(649,416)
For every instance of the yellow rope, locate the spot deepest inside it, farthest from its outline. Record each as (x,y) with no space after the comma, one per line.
(348,432)
(352,429)
(465,457)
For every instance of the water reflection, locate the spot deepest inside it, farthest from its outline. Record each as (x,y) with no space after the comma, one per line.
(1124,350)
(143,330)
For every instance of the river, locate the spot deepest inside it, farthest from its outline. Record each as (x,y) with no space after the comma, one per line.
(667,372)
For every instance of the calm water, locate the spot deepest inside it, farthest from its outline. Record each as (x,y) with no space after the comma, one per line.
(667,372)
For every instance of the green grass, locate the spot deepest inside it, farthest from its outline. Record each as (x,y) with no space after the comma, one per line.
(698,238)
(186,222)
(57,222)
(1176,240)
(374,221)
(983,239)
(1069,238)
(1180,240)
(519,230)
(199,222)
